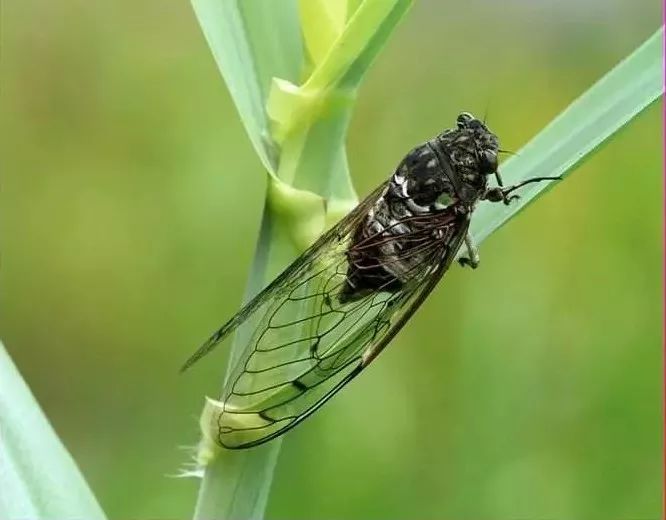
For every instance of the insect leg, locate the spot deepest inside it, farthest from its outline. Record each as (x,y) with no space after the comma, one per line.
(472,259)
(503,194)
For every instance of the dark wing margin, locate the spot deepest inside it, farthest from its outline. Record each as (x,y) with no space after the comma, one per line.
(306,343)
(302,264)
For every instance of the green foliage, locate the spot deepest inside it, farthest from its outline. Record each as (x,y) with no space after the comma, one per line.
(38,478)
(252,42)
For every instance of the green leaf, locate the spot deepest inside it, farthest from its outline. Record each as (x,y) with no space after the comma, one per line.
(38,477)
(578,131)
(322,22)
(252,41)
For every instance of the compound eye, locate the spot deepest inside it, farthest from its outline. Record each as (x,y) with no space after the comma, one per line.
(463,119)
(488,162)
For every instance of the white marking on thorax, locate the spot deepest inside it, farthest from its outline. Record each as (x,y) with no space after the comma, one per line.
(402,182)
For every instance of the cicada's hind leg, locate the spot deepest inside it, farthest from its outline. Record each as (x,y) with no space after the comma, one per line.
(472,259)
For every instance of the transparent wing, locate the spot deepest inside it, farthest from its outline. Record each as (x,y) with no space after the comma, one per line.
(331,241)
(307,342)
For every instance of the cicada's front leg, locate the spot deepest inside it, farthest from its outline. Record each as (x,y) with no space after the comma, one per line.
(503,194)
(472,259)
(499,195)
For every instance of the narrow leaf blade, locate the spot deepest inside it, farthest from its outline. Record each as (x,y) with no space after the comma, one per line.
(578,131)
(252,41)
(38,477)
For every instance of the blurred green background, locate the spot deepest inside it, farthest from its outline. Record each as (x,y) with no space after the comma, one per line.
(130,203)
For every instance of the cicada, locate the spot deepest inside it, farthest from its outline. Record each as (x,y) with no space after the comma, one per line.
(337,306)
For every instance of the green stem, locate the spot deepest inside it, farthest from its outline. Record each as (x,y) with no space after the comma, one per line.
(237,483)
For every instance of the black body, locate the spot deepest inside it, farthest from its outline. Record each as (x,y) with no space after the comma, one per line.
(443,177)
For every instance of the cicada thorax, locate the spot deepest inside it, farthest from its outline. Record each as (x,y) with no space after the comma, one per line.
(458,151)
(419,207)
